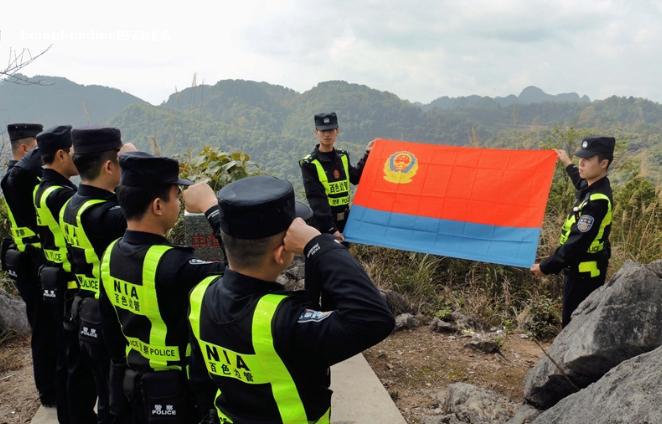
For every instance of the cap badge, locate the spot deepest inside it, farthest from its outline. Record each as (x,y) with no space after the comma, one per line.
(327,120)
(584,144)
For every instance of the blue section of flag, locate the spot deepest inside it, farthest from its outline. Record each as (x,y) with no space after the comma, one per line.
(480,242)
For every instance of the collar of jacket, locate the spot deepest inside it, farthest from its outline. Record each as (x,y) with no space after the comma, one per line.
(54,177)
(244,285)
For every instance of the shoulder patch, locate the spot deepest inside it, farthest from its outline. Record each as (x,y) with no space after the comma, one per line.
(585,223)
(311,315)
(195,261)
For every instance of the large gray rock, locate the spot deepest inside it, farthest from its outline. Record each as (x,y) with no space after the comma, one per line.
(467,404)
(619,321)
(628,394)
(525,415)
(12,315)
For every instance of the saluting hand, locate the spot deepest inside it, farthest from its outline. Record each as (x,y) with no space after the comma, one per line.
(563,156)
(298,235)
(128,147)
(198,198)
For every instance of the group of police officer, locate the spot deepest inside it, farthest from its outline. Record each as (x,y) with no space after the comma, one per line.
(141,328)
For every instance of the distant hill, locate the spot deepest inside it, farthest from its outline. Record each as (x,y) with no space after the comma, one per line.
(530,95)
(275,124)
(56,100)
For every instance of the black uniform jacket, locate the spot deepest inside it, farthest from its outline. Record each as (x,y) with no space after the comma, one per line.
(103,222)
(307,339)
(574,250)
(324,215)
(178,272)
(17,186)
(55,201)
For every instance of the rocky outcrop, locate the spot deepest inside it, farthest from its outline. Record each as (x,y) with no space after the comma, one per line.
(619,321)
(467,404)
(12,315)
(630,393)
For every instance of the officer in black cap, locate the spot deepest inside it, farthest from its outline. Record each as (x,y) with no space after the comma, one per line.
(145,284)
(327,173)
(57,282)
(584,251)
(21,256)
(269,350)
(90,221)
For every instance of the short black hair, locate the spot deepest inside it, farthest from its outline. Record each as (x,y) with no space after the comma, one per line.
(48,157)
(602,156)
(16,143)
(134,201)
(245,253)
(89,164)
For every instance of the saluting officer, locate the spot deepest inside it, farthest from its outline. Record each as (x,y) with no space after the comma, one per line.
(584,251)
(145,284)
(90,221)
(23,257)
(57,282)
(327,173)
(268,350)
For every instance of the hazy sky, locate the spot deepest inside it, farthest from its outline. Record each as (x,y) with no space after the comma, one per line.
(419,50)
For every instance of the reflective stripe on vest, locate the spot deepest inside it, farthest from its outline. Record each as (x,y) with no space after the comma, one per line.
(81,248)
(337,192)
(45,218)
(141,299)
(263,367)
(22,236)
(598,244)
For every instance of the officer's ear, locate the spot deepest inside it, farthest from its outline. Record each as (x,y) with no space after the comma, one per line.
(279,254)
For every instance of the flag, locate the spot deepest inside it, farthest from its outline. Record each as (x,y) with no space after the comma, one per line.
(465,202)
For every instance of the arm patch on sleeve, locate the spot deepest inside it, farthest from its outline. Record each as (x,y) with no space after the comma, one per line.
(311,315)
(585,223)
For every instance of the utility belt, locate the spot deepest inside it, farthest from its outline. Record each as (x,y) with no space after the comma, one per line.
(18,264)
(58,288)
(164,395)
(590,265)
(86,316)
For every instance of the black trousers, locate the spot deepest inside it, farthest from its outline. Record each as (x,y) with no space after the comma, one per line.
(577,287)
(88,368)
(53,309)
(42,342)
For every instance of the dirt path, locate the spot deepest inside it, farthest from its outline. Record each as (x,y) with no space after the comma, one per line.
(416,365)
(18,397)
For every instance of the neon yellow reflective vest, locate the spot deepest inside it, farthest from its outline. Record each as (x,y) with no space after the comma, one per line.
(83,258)
(262,367)
(337,192)
(137,308)
(53,246)
(598,243)
(22,236)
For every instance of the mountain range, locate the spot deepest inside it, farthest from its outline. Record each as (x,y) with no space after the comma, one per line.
(274,124)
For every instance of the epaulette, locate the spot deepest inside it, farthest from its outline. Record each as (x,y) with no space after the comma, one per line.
(306,159)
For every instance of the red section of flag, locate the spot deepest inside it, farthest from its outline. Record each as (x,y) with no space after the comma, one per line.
(483,186)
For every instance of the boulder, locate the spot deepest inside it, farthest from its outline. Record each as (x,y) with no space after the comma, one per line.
(620,320)
(12,315)
(629,393)
(405,321)
(525,414)
(439,326)
(467,404)
(397,302)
